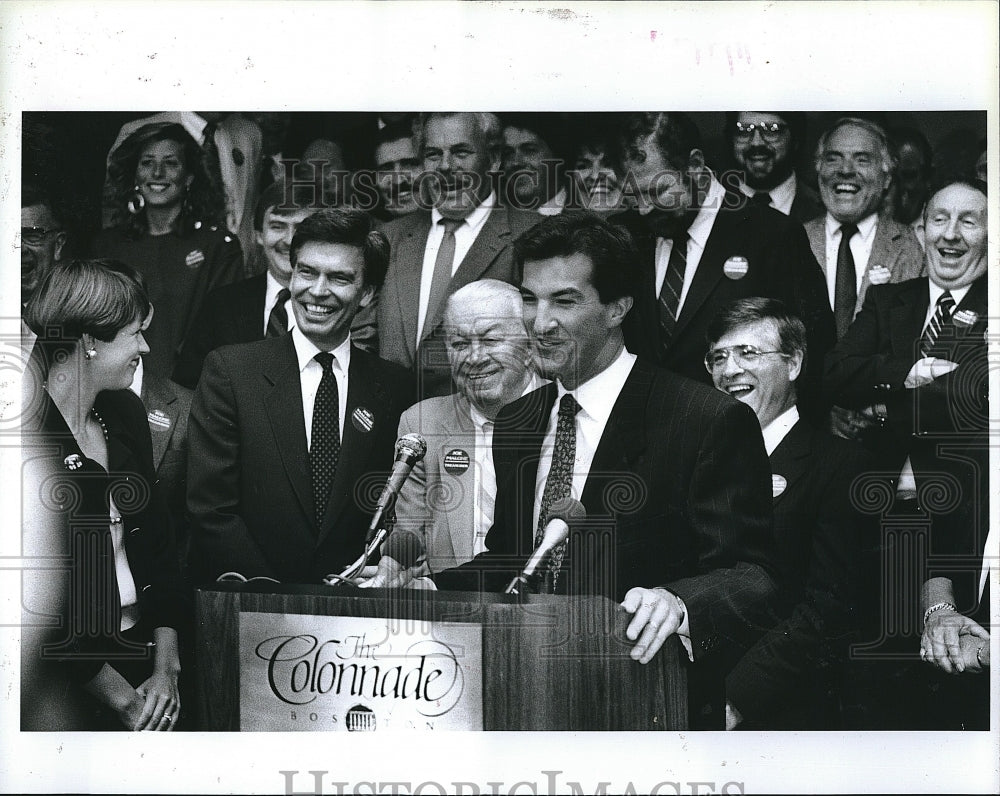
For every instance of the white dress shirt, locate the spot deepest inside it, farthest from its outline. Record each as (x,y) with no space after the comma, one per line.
(271,298)
(778,429)
(465,236)
(310,373)
(861,250)
(555,205)
(782,196)
(698,234)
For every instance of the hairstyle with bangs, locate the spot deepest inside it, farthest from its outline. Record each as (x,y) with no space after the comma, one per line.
(95,297)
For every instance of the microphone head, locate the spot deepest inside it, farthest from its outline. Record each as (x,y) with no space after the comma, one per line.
(567,509)
(412,447)
(404,547)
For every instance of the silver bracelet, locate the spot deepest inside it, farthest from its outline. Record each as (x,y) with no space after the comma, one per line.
(938,607)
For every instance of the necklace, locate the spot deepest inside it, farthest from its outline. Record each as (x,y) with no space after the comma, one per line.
(116,517)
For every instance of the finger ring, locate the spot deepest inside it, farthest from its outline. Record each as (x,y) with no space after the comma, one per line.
(168,718)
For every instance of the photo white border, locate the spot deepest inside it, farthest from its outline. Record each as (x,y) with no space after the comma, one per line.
(526,56)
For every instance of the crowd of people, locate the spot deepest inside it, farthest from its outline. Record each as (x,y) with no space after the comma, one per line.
(766,381)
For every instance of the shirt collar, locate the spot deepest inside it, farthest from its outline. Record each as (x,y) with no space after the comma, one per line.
(195,125)
(866,226)
(306,350)
(598,394)
(271,293)
(479,419)
(782,192)
(475,219)
(136,385)
(778,428)
(555,205)
(936,292)
(701,227)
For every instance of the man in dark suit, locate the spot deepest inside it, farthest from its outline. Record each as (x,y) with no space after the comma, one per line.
(701,246)
(284,432)
(243,311)
(791,678)
(673,475)
(915,359)
(466,235)
(765,147)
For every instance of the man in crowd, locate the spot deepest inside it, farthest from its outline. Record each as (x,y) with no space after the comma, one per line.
(396,168)
(765,146)
(701,246)
(791,678)
(915,359)
(282,430)
(672,474)
(43,240)
(536,150)
(450,495)
(466,236)
(258,307)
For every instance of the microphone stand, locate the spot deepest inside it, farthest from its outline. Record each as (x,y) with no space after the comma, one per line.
(348,575)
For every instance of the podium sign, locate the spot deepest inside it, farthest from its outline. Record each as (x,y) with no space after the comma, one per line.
(316,673)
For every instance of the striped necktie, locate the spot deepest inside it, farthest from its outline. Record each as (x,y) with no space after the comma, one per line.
(942,315)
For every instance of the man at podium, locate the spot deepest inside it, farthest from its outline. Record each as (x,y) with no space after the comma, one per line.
(672,474)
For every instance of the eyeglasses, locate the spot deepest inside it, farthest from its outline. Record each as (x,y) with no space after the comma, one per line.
(745,356)
(35,236)
(769,131)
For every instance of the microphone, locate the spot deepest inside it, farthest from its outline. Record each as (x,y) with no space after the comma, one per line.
(564,511)
(402,550)
(410,449)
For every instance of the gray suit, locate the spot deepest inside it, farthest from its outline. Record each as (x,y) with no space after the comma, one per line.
(399,304)
(895,247)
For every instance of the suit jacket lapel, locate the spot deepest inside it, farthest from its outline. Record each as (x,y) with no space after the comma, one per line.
(364,392)
(906,318)
(460,518)
(881,255)
(536,415)
(790,459)
(411,254)
(251,317)
(709,266)
(161,402)
(284,409)
(816,230)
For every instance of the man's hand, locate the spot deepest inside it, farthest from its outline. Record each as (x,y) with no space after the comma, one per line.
(733,717)
(850,423)
(925,370)
(658,614)
(390,575)
(970,646)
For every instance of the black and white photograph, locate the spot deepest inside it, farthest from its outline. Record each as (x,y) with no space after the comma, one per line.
(604,388)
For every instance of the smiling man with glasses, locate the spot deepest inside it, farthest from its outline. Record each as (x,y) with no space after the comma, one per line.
(791,678)
(42,239)
(765,146)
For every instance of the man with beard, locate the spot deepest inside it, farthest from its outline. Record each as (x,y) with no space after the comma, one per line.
(701,246)
(765,146)
(466,236)
(42,242)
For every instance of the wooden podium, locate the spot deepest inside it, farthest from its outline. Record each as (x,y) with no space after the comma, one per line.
(548,662)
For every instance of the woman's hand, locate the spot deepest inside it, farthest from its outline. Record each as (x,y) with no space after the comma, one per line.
(162,702)
(941,644)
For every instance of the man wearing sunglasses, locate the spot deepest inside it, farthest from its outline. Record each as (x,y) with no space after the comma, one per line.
(43,240)
(765,147)
(791,678)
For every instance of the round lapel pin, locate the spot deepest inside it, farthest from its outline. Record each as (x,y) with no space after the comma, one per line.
(736,267)
(363,420)
(778,484)
(456,461)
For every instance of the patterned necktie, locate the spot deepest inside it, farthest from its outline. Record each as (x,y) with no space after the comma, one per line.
(559,480)
(762,198)
(277,321)
(325,448)
(673,284)
(845,290)
(441,277)
(942,315)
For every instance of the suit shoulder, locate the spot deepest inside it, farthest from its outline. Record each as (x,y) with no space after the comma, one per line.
(244,290)
(248,355)
(428,410)
(904,289)
(405,224)
(521,220)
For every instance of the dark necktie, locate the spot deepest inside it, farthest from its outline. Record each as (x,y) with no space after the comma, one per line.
(559,480)
(211,152)
(845,291)
(325,448)
(942,315)
(673,284)
(442,272)
(277,321)
(761,198)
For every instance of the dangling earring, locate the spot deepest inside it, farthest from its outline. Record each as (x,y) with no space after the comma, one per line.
(90,353)
(136,203)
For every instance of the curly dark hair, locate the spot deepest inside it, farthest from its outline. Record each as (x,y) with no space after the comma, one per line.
(204,201)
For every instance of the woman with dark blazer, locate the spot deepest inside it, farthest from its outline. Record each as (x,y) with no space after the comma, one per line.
(113,656)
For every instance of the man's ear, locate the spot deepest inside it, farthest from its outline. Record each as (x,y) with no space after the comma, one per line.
(367,295)
(618,308)
(696,160)
(60,243)
(794,365)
